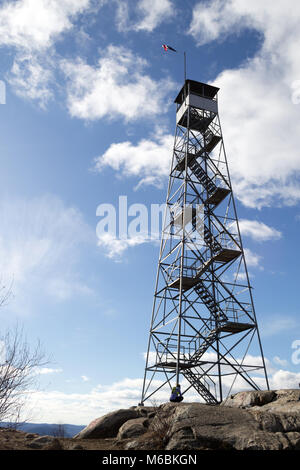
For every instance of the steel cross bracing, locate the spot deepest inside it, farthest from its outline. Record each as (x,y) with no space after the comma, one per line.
(203,331)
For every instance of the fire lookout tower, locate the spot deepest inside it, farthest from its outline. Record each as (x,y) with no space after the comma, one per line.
(203,331)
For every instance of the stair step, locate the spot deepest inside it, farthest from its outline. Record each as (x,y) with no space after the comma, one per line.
(211,144)
(218,196)
(200,387)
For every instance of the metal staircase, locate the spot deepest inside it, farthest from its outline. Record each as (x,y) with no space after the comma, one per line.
(202,176)
(211,241)
(207,342)
(211,140)
(209,300)
(214,252)
(203,390)
(215,194)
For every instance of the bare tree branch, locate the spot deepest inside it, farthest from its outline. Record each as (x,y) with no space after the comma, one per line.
(19,367)
(5,292)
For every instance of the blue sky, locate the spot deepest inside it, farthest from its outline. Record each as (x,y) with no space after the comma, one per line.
(89,117)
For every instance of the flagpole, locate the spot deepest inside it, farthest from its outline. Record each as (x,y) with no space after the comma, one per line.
(184,67)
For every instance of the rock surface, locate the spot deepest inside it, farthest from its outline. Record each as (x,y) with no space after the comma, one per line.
(41,441)
(108,425)
(251,420)
(249,399)
(277,411)
(133,428)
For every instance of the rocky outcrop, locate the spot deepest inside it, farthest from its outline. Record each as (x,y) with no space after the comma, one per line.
(279,400)
(108,425)
(196,426)
(249,399)
(44,443)
(133,428)
(277,411)
(254,420)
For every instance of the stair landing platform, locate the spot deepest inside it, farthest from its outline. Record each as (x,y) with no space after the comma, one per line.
(187,283)
(235,327)
(218,196)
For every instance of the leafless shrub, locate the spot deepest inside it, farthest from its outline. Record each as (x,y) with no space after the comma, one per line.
(19,365)
(5,292)
(161,424)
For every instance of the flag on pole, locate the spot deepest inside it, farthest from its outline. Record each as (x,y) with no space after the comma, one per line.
(167,48)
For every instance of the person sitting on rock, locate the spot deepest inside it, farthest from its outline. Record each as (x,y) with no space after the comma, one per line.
(176,395)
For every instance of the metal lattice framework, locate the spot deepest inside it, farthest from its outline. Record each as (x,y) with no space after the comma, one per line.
(203,327)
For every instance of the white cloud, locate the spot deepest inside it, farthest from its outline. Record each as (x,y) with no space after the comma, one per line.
(116,86)
(115,247)
(280,362)
(31,77)
(149,160)
(40,245)
(48,370)
(252,259)
(122,15)
(258,231)
(259,118)
(278,324)
(34,25)
(284,379)
(149,15)
(32,29)
(212,19)
(240,276)
(2,351)
(64,287)
(85,378)
(82,408)
(153,13)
